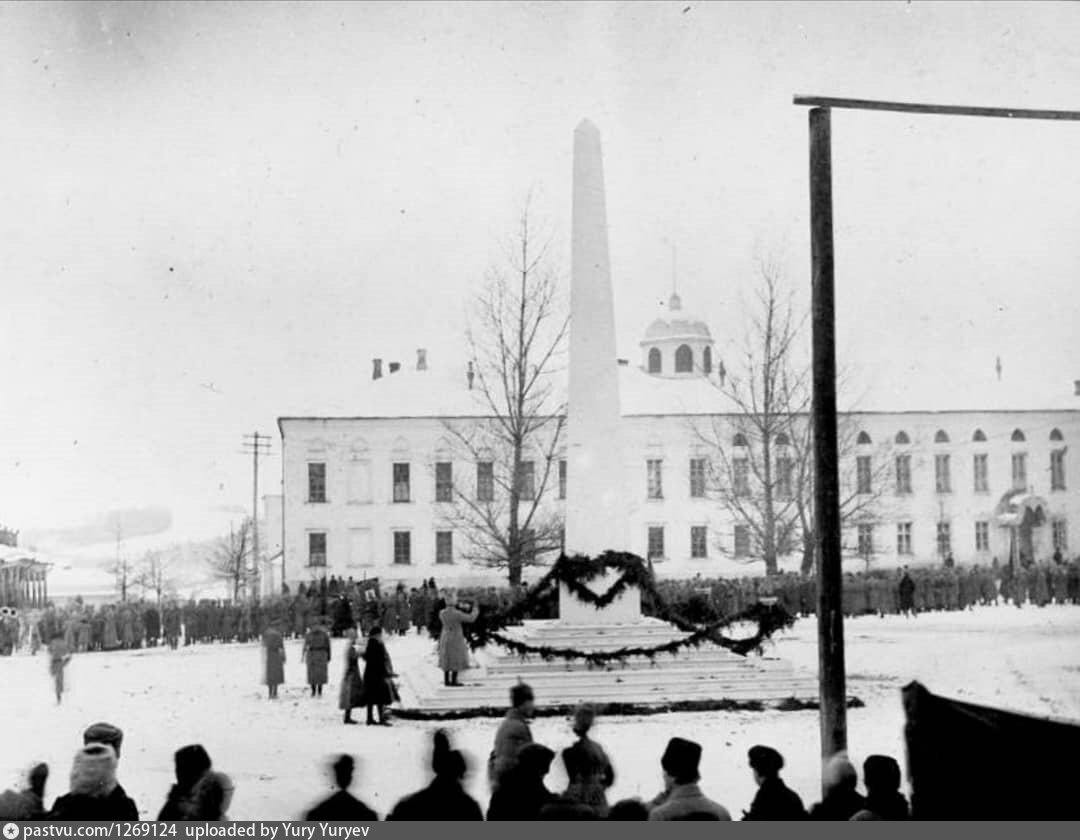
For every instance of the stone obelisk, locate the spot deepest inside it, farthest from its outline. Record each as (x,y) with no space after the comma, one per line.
(596,510)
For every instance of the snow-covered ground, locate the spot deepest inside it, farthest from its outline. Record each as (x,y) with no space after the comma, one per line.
(1028,660)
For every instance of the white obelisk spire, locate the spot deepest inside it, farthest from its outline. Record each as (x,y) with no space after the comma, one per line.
(596,511)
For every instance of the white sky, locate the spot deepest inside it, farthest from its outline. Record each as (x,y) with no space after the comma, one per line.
(218,214)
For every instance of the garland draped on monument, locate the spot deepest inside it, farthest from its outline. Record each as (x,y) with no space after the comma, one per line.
(575,573)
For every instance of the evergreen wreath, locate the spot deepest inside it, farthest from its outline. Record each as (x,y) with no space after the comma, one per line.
(576,572)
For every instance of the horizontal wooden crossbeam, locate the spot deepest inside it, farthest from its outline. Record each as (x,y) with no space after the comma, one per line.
(949,110)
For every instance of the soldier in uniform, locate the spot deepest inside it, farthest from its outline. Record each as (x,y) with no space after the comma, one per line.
(316,654)
(274,661)
(59,657)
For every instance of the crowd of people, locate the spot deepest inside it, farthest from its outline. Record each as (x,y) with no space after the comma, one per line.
(516,771)
(344,603)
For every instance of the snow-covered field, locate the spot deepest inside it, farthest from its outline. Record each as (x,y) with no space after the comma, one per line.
(1028,660)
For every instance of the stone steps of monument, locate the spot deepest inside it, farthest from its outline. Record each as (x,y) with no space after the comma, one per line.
(494,694)
(711,662)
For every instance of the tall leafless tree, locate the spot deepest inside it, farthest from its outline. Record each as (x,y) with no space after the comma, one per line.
(516,339)
(154,574)
(230,560)
(761,464)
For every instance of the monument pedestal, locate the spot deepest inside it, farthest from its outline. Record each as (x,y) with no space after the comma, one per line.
(626,609)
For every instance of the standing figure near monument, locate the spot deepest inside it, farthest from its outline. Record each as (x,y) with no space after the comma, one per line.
(595,773)
(316,654)
(906,591)
(274,653)
(378,678)
(59,657)
(453,652)
(513,733)
(351,694)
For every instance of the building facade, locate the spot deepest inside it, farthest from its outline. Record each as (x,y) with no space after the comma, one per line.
(373,494)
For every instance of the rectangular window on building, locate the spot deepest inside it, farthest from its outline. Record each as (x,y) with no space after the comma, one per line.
(982,536)
(316,482)
(742,541)
(655,474)
(1061,535)
(562,479)
(698,544)
(444,481)
(485,481)
(866,539)
(982,473)
(527,481)
(402,548)
(444,547)
(942,481)
(316,548)
(903,538)
(944,539)
(903,474)
(785,470)
(1057,469)
(656,542)
(1019,471)
(401,482)
(862,474)
(697,478)
(740,477)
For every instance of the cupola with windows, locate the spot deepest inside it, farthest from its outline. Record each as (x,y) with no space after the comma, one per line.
(677,345)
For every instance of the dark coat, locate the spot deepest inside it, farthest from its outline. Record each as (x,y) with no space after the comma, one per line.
(205,801)
(776,801)
(275,658)
(341,807)
(21,806)
(78,807)
(378,671)
(317,655)
(686,802)
(351,694)
(443,799)
(838,805)
(889,807)
(598,774)
(519,798)
(567,809)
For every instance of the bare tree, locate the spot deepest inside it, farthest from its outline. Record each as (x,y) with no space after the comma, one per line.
(230,560)
(761,464)
(516,338)
(154,574)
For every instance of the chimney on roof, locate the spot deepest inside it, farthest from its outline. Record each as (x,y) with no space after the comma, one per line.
(1076,386)
(421,359)
(376,368)
(470,375)
(622,362)
(395,367)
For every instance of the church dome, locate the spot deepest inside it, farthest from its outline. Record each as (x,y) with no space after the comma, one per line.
(677,344)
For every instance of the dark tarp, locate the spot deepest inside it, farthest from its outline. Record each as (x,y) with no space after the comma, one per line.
(968,762)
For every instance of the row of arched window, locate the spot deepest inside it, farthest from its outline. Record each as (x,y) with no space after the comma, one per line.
(902,438)
(684,360)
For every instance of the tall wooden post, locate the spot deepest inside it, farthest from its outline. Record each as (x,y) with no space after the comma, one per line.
(832,688)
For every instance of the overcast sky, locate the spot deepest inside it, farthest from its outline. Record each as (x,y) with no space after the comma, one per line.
(216,214)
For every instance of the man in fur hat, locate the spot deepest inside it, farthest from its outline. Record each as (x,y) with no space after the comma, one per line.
(682,798)
(26,804)
(106,733)
(513,733)
(95,795)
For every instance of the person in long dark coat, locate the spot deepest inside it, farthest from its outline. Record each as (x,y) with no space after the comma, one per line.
(523,793)
(352,685)
(200,794)
(445,798)
(274,647)
(881,775)
(774,800)
(595,774)
(316,654)
(95,794)
(378,672)
(342,806)
(453,652)
(907,594)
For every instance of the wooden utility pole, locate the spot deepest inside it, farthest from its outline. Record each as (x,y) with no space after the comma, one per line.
(826,484)
(832,686)
(256,444)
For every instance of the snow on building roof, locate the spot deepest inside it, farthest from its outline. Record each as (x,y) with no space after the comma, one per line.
(445,393)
